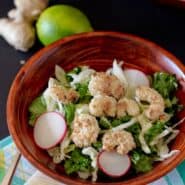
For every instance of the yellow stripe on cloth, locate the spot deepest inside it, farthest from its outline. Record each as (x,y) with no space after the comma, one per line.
(2,166)
(2,160)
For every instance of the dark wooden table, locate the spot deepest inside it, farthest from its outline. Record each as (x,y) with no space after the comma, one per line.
(161,24)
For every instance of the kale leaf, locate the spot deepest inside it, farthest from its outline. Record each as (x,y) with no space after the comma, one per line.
(107,123)
(135,130)
(166,84)
(97,145)
(36,108)
(69,112)
(155,130)
(117,122)
(77,162)
(75,70)
(104,123)
(172,105)
(69,78)
(141,161)
(82,89)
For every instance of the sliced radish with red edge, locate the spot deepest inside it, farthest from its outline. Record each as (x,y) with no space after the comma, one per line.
(49,130)
(113,164)
(135,78)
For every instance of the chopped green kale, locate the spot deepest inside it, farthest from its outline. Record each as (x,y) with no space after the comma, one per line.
(97,145)
(69,112)
(141,161)
(70,148)
(75,70)
(82,89)
(172,105)
(155,130)
(117,122)
(104,123)
(61,76)
(135,130)
(36,108)
(107,123)
(69,78)
(77,162)
(166,84)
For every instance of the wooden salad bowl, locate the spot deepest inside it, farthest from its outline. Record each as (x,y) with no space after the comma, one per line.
(96,49)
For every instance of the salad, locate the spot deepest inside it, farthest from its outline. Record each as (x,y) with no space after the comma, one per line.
(110,123)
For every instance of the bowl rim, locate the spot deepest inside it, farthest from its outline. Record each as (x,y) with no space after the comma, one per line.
(48,48)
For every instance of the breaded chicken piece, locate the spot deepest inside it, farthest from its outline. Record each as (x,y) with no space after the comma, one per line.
(128,106)
(157,105)
(63,94)
(85,130)
(102,105)
(106,84)
(121,141)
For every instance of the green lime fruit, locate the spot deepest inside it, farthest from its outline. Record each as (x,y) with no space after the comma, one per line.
(59,21)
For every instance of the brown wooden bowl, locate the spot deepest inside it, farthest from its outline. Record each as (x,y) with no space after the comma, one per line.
(96,49)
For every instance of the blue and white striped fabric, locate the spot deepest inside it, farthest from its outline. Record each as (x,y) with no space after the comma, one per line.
(25,170)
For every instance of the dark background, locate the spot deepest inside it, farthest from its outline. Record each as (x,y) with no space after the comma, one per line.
(161,24)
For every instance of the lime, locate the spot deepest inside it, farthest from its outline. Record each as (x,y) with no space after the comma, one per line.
(59,21)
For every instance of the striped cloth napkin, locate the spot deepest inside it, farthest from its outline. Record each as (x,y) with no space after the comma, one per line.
(26,174)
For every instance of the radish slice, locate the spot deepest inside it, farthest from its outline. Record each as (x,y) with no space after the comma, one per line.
(135,78)
(113,164)
(50,129)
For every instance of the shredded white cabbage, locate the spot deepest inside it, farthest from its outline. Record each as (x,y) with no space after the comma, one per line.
(95,175)
(170,154)
(125,125)
(92,153)
(173,136)
(144,122)
(61,75)
(53,82)
(82,108)
(82,77)
(51,104)
(60,108)
(58,153)
(144,145)
(118,72)
(164,152)
(63,145)
(84,175)
(145,125)
(162,148)
(167,131)
(109,71)
(55,154)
